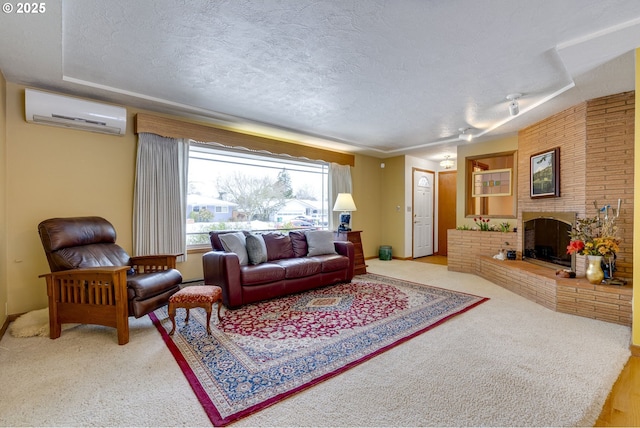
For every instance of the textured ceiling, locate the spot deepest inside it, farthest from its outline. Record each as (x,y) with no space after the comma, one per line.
(378,77)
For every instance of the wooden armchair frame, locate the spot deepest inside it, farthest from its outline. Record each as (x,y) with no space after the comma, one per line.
(97,295)
(154,263)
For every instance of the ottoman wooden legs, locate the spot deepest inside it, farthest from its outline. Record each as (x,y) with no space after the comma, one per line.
(195,296)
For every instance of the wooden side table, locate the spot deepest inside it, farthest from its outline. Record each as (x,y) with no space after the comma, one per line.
(354,237)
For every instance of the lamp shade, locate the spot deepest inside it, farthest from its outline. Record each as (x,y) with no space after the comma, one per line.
(344,202)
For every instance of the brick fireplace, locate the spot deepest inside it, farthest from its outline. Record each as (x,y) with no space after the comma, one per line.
(546,237)
(596,141)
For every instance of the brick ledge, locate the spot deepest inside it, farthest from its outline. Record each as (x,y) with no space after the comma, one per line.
(611,303)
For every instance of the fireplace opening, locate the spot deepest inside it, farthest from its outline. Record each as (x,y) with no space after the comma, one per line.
(546,237)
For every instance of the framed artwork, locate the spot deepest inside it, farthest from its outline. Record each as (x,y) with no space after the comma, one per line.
(545,174)
(491,182)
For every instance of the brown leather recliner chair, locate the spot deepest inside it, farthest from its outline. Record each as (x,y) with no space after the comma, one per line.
(94,281)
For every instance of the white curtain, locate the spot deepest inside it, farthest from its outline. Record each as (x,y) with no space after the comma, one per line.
(160,196)
(339,182)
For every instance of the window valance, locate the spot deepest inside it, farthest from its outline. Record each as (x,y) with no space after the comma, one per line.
(174,128)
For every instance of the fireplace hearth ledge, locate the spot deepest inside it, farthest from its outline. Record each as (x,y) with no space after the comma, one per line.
(576,296)
(471,252)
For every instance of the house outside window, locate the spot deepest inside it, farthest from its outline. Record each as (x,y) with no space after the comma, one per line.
(232,189)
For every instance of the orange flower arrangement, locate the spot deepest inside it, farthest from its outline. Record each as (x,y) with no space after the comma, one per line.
(593,237)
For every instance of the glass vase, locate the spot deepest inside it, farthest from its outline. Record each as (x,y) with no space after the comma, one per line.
(594,273)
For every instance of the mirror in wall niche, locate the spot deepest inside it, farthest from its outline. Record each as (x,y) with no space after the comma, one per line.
(490,185)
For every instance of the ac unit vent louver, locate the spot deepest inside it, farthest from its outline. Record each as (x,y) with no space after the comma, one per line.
(59,110)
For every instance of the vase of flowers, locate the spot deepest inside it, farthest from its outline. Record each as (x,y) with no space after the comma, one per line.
(595,238)
(594,272)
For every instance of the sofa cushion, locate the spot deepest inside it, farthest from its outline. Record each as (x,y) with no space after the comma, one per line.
(59,233)
(86,256)
(256,249)
(261,274)
(299,267)
(320,242)
(145,285)
(236,243)
(214,237)
(299,243)
(278,246)
(332,262)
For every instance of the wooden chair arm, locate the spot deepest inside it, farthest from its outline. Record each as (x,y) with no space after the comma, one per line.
(86,271)
(154,263)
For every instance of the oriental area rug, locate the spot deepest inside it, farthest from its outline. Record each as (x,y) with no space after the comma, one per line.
(262,353)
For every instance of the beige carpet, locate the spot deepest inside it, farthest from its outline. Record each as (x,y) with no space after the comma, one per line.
(434,259)
(509,362)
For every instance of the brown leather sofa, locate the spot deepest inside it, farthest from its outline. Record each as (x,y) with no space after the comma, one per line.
(288,269)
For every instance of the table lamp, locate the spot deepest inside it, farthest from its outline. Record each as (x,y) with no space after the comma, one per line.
(344,203)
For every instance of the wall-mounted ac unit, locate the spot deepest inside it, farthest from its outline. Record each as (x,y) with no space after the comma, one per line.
(59,110)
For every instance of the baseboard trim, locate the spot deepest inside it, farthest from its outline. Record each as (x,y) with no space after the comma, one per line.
(5,325)
(635,350)
(193,281)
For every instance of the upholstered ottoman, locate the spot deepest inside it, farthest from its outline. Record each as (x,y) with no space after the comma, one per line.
(195,296)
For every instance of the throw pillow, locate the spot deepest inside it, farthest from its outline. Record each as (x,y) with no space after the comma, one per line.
(278,246)
(320,242)
(299,243)
(236,243)
(256,249)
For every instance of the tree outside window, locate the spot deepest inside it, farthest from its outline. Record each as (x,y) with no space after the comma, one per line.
(244,191)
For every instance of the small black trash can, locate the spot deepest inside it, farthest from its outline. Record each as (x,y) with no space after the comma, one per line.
(385,252)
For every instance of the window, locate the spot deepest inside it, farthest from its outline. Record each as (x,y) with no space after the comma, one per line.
(492,182)
(234,189)
(489,185)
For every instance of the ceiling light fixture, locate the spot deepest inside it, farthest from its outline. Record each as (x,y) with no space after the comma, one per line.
(446,163)
(514,108)
(464,136)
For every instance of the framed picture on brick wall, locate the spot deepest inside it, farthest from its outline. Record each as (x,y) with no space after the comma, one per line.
(545,174)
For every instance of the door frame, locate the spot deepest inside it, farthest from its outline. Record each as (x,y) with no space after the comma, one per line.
(442,233)
(413,207)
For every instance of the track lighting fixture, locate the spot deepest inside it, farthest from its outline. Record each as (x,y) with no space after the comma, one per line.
(446,163)
(464,136)
(514,108)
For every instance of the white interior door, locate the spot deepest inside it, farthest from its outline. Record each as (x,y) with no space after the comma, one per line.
(422,213)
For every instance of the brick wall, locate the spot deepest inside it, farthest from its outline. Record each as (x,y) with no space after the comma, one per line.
(566,130)
(469,251)
(609,166)
(596,140)
(465,246)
